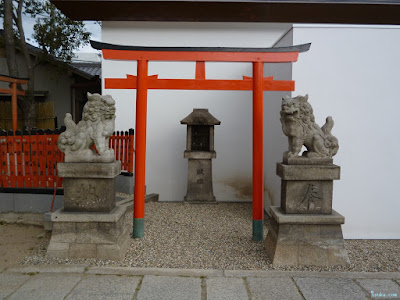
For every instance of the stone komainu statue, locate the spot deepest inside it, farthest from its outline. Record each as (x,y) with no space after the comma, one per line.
(298,123)
(97,125)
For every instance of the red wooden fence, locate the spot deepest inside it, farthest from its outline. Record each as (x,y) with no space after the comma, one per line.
(29,160)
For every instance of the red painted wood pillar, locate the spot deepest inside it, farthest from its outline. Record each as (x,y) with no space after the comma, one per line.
(258,150)
(14,107)
(140,156)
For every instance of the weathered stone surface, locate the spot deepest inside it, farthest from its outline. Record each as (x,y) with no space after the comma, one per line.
(281,218)
(298,124)
(221,288)
(82,250)
(91,235)
(95,128)
(329,289)
(308,172)
(57,249)
(61,216)
(170,288)
(199,186)
(306,244)
(199,154)
(273,289)
(301,160)
(306,197)
(89,170)
(10,282)
(105,287)
(380,288)
(89,187)
(47,287)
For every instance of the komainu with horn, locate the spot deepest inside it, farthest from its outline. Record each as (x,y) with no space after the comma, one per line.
(96,127)
(298,124)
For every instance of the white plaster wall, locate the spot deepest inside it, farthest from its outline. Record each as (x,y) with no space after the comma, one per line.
(275,142)
(352,74)
(166,169)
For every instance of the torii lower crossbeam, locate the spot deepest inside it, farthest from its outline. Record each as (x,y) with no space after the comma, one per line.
(258,84)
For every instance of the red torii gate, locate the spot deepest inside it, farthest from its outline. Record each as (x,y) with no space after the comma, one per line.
(13,81)
(258,84)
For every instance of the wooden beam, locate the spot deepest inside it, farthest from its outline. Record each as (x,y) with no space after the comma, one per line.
(267,57)
(9,91)
(199,84)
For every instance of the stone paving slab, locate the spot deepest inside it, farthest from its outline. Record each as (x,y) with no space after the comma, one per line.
(49,269)
(273,288)
(154,271)
(105,287)
(47,287)
(222,288)
(169,288)
(9,283)
(381,288)
(329,289)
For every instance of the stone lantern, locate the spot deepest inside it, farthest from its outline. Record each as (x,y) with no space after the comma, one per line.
(200,151)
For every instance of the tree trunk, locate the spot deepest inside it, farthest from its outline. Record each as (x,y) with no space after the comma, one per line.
(28,105)
(9,39)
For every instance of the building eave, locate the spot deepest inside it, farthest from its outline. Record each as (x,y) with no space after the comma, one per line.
(290,11)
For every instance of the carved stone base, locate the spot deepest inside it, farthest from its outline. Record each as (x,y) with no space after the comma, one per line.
(307,189)
(89,187)
(303,240)
(200,188)
(91,235)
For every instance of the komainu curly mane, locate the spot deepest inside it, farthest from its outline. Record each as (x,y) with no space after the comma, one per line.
(298,123)
(97,125)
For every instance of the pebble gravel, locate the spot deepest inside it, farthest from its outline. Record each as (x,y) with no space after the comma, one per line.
(218,236)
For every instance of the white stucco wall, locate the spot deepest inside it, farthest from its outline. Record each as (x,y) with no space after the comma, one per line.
(352,74)
(166,169)
(275,142)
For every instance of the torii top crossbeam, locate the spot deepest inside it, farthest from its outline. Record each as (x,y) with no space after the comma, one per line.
(258,84)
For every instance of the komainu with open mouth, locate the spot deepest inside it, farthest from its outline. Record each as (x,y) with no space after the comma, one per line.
(298,123)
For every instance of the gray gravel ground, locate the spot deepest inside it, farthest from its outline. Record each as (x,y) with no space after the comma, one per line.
(218,236)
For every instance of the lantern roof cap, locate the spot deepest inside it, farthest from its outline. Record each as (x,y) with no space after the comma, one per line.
(200,116)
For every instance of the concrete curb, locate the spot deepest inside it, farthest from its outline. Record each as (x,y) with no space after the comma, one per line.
(49,269)
(276,274)
(85,269)
(154,271)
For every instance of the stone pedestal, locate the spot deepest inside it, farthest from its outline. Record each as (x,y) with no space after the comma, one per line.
(89,187)
(91,235)
(307,189)
(301,240)
(200,187)
(305,230)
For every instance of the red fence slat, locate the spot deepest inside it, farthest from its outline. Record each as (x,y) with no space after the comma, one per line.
(3,160)
(30,160)
(19,159)
(11,158)
(42,158)
(26,150)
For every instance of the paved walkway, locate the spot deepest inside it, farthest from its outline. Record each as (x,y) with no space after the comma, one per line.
(82,282)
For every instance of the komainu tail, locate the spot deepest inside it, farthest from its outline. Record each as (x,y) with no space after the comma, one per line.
(327,128)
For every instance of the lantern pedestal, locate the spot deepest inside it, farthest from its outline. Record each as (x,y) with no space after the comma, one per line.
(200,186)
